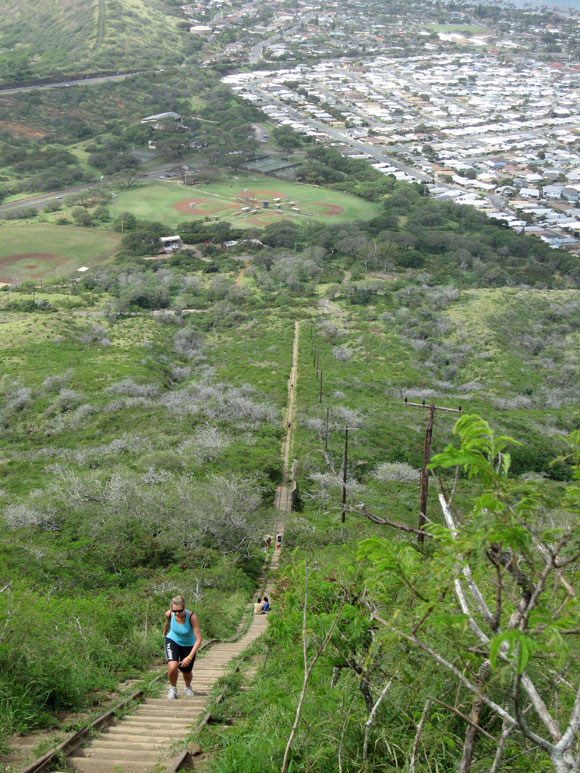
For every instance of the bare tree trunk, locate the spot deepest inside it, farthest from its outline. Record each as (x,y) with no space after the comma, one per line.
(471,733)
(563,762)
(413,759)
(505,731)
(371,719)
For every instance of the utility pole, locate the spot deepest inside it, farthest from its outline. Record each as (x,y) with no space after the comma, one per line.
(320,395)
(343,519)
(426,457)
(326,432)
(344,476)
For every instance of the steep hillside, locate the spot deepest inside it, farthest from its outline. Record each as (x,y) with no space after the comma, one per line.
(77,36)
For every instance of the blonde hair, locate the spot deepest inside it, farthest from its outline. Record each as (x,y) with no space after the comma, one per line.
(178,601)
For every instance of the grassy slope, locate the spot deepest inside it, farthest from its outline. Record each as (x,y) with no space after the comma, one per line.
(364,388)
(64,36)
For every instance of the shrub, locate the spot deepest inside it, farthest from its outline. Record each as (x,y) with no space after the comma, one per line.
(95,335)
(21,214)
(342,353)
(132,389)
(399,471)
(56,382)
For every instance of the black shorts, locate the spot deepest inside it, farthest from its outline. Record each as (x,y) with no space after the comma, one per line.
(174,651)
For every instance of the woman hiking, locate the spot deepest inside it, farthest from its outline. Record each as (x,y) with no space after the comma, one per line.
(182,641)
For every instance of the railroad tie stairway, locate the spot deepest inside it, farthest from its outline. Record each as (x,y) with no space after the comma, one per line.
(147,737)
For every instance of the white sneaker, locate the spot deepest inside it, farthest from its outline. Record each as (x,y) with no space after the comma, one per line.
(188,692)
(172,694)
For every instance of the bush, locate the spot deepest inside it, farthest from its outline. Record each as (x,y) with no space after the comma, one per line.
(21,214)
(399,471)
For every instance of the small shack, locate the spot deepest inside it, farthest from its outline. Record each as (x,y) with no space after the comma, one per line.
(170,244)
(159,120)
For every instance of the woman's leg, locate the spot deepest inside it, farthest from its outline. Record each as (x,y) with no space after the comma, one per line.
(172,671)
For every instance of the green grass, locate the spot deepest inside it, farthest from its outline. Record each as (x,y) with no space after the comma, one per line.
(78,246)
(154,201)
(470,30)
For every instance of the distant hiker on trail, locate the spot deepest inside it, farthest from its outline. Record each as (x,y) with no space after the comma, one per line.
(278,541)
(265,605)
(258,607)
(268,541)
(182,641)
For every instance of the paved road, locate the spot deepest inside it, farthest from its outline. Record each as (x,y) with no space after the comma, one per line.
(257,50)
(81,82)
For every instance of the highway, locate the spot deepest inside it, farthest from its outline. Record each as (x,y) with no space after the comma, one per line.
(80,82)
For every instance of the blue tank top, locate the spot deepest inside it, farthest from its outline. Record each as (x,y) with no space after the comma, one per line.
(181,634)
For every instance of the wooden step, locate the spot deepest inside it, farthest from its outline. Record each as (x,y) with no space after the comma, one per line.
(108,742)
(151,756)
(122,731)
(88,765)
(168,711)
(152,723)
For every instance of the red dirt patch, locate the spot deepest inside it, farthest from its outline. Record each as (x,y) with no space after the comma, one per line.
(22,130)
(329,209)
(218,206)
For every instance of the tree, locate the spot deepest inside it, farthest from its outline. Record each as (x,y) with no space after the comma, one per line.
(286,138)
(494,602)
(81,216)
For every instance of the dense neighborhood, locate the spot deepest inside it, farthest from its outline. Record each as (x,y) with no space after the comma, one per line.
(482,107)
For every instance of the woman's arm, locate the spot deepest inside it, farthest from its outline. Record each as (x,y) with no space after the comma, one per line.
(197,632)
(167,622)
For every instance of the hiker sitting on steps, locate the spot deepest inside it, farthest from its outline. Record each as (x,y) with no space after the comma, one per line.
(182,641)
(265,605)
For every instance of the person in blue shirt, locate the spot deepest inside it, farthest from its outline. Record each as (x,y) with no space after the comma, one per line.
(182,641)
(265,605)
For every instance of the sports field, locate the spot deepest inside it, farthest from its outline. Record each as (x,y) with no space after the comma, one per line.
(50,251)
(251,200)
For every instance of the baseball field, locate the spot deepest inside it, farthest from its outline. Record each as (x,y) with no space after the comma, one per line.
(250,200)
(49,251)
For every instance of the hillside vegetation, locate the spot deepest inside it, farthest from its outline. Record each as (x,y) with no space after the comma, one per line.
(142,415)
(73,37)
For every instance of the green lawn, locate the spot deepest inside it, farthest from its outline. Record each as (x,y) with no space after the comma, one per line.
(156,200)
(469,30)
(62,248)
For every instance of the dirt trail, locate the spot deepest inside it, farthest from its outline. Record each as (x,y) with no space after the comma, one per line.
(288,443)
(242,271)
(144,740)
(283,499)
